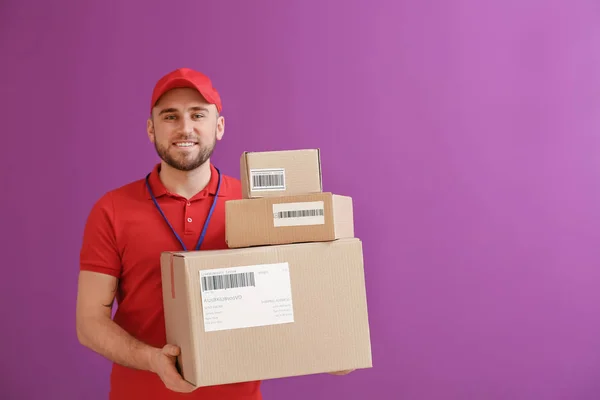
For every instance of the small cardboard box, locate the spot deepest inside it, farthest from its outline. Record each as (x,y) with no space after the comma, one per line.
(317,217)
(267,312)
(280,173)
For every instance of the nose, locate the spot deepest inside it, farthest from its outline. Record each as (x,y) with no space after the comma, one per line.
(187,125)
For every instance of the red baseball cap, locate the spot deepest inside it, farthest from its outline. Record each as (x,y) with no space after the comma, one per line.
(188,78)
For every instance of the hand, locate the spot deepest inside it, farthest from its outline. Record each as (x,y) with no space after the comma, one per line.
(162,363)
(339,373)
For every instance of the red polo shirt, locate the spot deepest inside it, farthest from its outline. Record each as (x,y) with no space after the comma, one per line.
(124,237)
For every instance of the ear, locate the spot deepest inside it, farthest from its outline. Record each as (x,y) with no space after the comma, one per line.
(150,129)
(220,127)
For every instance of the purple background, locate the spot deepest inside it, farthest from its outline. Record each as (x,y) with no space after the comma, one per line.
(467,133)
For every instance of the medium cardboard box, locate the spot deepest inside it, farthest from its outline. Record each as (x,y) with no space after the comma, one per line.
(280,173)
(316,217)
(267,312)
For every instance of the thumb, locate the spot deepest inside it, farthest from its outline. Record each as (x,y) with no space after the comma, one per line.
(171,350)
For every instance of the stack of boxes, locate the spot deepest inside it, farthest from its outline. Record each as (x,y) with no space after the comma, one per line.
(288,296)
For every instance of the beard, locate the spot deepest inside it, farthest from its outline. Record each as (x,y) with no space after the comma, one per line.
(186,162)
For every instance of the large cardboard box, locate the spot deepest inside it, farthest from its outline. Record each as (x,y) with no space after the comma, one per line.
(316,217)
(280,173)
(267,312)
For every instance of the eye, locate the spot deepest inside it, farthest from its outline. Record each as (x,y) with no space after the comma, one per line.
(169,117)
(198,115)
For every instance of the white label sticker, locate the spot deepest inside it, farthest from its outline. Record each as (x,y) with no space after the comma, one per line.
(267,179)
(244,297)
(297,214)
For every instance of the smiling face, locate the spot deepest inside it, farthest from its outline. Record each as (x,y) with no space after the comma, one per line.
(184,129)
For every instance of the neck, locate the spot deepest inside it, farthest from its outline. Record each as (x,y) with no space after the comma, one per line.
(185,183)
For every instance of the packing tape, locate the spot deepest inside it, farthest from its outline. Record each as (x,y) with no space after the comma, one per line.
(172,278)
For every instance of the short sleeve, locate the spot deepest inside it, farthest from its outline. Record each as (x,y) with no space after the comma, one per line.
(99,249)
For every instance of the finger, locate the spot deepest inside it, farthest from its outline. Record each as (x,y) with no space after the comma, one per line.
(182,387)
(170,371)
(186,387)
(177,383)
(172,375)
(345,372)
(171,350)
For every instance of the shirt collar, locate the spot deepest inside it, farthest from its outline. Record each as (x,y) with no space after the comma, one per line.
(158,189)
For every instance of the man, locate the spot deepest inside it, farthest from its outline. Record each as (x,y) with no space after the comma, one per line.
(126,232)
(129,227)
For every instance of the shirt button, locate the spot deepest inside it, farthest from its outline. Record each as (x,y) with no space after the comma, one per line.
(189,204)
(189,220)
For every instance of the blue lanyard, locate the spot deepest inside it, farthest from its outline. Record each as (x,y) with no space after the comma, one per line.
(212,208)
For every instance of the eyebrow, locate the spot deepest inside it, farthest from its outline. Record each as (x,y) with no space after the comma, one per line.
(171,110)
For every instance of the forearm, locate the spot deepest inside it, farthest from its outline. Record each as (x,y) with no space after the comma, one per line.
(108,339)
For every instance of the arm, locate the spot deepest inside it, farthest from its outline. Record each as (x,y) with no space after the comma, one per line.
(97,331)
(100,270)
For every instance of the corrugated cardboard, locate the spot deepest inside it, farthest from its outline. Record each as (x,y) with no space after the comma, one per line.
(301,309)
(317,217)
(280,173)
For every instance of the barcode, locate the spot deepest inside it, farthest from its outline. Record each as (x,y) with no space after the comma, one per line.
(268,179)
(261,181)
(300,213)
(230,281)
